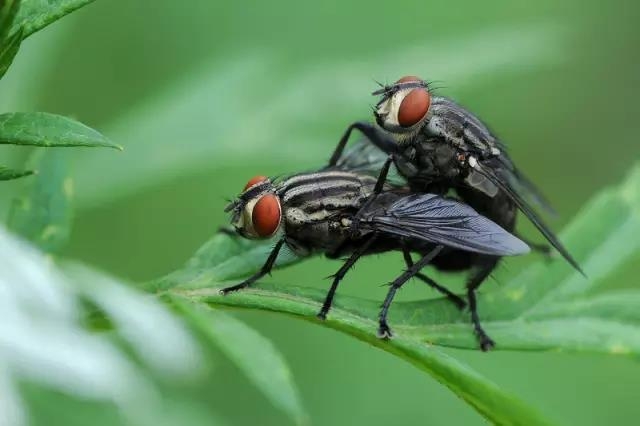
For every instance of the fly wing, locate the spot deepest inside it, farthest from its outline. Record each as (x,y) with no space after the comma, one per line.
(521,184)
(457,125)
(364,157)
(504,185)
(514,178)
(444,221)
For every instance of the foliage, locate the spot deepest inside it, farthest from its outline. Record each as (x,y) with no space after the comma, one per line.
(543,308)
(18,20)
(83,345)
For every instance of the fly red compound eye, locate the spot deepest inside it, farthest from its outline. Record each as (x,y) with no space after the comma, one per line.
(254,181)
(414,106)
(266,215)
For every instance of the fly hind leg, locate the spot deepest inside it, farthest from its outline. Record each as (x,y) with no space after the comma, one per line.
(454,298)
(384,331)
(488,265)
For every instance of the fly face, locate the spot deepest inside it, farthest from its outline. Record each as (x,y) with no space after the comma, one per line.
(404,107)
(257,212)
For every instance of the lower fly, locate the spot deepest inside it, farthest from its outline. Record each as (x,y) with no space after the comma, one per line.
(338,213)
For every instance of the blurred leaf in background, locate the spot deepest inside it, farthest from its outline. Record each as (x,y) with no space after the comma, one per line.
(44,212)
(205,96)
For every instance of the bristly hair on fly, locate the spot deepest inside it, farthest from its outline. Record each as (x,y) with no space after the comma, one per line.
(388,90)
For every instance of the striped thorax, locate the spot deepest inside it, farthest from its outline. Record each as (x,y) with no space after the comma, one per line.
(313,210)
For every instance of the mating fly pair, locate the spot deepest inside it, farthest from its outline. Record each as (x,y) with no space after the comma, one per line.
(438,149)
(339,212)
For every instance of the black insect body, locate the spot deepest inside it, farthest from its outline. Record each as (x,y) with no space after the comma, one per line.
(438,146)
(317,213)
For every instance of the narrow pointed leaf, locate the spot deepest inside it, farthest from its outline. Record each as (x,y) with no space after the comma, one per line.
(48,130)
(8,12)
(8,174)
(34,15)
(621,306)
(251,352)
(598,237)
(8,51)
(357,318)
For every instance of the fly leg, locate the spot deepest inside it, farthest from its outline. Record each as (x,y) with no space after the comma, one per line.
(474,282)
(266,269)
(374,135)
(377,190)
(454,298)
(384,331)
(338,276)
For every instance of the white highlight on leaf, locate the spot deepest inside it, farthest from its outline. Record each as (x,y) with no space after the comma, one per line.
(156,335)
(11,411)
(42,339)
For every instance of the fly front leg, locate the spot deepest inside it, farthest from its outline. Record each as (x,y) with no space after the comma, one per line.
(338,276)
(384,331)
(374,135)
(266,269)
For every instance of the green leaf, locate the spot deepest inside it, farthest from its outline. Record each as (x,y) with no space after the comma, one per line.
(46,345)
(357,318)
(8,51)
(222,258)
(251,352)
(48,130)
(8,174)
(43,213)
(8,11)
(543,308)
(34,15)
(621,306)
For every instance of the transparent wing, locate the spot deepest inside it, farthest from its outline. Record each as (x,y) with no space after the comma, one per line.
(444,221)
(503,184)
(457,121)
(523,186)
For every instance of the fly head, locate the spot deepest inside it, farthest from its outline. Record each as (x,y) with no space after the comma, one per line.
(257,212)
(404,106)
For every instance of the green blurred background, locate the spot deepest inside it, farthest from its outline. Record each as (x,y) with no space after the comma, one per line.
(204,95)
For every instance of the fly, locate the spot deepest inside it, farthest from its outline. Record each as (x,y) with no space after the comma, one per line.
(340,212)
(437,146)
